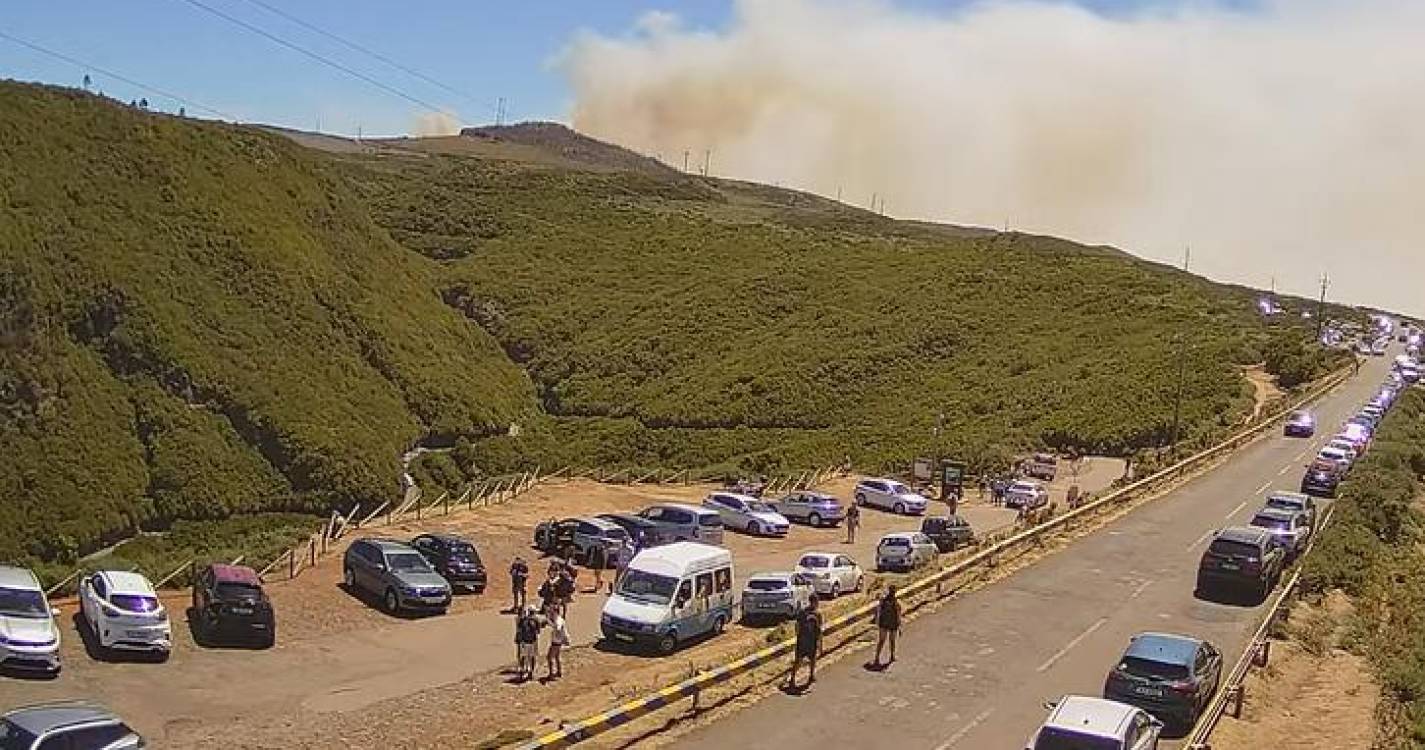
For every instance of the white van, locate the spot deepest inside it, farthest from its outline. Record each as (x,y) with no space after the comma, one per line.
(669,594)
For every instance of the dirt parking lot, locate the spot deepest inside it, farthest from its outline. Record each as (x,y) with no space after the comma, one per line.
(344,672)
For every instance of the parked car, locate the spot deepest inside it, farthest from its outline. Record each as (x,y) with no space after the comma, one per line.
(1241,556)
(397,574)
(831,573)
(888,494)
(29,639)
(685,523)
(904,550)
(748,514)
(1290,528)
(1321,479)
(1346,447)
(948,532)
(455,559)
(228,601)
(812,508)
(1027,494)
(66,725)
(1172,677)
(583,534)
(642,533)
(1336,456)
(1041,466)
(124,613)
(775,596)
(1081,723)
(1300,424)
(1294,501)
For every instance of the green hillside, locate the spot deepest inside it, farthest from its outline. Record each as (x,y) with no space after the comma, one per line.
(203,322)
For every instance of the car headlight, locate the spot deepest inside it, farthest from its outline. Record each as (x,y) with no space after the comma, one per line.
(410,590)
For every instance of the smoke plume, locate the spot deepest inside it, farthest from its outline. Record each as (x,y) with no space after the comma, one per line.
(1278,141)
(429,124)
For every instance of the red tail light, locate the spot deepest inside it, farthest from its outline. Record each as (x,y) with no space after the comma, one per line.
(1181,687)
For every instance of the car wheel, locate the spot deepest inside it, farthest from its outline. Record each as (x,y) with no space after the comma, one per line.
(393,602)
(719,624)
(900,509)
(860,582)
(752,528)
(668,643)
(814,519)
(835,589)
(348,579)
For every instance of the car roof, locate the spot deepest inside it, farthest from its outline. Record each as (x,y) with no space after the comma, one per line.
(737,495)
(43,717)
(899,535)
(780,575)
(1293,496)
(445,538)
(629,518)
(815,553)
(387,545)
(812,494)
(12,577)
(236,574)
(1166,648)
(1250,534)
(1027,482)
(124,582)
(1092,716)
(681,506)
(1278,513)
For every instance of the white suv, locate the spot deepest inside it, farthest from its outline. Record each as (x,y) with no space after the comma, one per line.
(1077,721)
(890,495)
(29,639)
(124,613)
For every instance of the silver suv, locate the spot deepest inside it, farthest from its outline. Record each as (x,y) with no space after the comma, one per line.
(72,724)
(396,573)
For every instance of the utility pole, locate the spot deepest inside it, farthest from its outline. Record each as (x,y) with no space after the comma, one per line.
(500,111)
(1187,257)
(1321,305)
(873,202)
(707,162)
(838,193)
(685,161)
(1178,398)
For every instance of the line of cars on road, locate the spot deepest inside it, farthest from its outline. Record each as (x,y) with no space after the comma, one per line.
(1167,679)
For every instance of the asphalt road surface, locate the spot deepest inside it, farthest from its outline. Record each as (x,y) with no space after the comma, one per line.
(975,673)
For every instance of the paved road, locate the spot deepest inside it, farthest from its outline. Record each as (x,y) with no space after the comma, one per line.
(975,673)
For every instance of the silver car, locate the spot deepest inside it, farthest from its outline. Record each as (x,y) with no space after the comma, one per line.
(1294,501)
(1291,529)
(891,495)
(747,513)
(775,595)
(811,508)
(905,551)
(395,573)
(69,724)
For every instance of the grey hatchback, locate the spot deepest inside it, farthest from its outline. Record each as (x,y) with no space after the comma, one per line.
(396,573)
(69,724)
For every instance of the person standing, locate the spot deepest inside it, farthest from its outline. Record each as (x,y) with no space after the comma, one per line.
(558,639)
(549,590)
(564,587)
(597,559)
(888,623)
(519,580)
(853,521)
(808,646)
(527,643)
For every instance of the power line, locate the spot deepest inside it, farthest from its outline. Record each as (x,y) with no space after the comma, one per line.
(319,58)
(125,79)
(368,52)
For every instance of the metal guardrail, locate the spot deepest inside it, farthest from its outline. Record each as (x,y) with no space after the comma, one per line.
(691,687)
(1233,691)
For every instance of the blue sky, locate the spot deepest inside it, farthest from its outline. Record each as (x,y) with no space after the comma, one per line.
(487,50)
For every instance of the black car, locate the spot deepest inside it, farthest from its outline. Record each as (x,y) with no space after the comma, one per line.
(455,559)
(1321,480)
(642,532)
(1242,556)
(228,602)
(1172,677)
(948,532)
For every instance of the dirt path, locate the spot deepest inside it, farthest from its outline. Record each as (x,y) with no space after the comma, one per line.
(1305,700)
(1264,389)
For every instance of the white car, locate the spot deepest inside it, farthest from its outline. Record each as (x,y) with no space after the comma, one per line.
(1345,446)
(124,613)
(29,640)
(1081,722)
(1335,455)
(831,574)
(747,513)
(904,550)
(891,495)
(1027,494)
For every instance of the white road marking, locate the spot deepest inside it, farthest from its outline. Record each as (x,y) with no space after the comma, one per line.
(1202,538)
(1233,512)
(1285,469)
(1141,588)
(1302,454)
(960,735)
(1071,644)
(1263,488)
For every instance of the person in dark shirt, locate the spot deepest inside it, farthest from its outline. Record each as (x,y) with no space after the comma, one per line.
(888,623)
(598,559)
(519,581)
(527,627)
(808,643)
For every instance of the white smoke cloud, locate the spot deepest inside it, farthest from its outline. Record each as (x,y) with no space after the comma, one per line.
(430,124)
(1284,141)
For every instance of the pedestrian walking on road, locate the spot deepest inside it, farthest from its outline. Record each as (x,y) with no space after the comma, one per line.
(888,622)
(808,643)
(558,639)
(519,580)
(853,521)
(527,627)
(597,559)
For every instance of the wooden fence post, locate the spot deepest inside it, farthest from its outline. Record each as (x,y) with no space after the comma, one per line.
(291,563)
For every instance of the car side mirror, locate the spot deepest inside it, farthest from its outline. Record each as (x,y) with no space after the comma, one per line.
(54,612)
(1049,705)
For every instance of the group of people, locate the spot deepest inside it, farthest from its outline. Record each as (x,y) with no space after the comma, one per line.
(555,595)
(809,638)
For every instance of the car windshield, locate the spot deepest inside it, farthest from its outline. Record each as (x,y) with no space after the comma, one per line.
(895,542)
(15,738)
(134,602)
(1267,522)
(814,561)
(407,561)
(1301,417)
(1286,503)
(896,488)
(1149,668)
(650,587)
(23,603)
(1054,738)
(1230,548)
(615,533)
(464,551)
(767,584)
(239,591)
